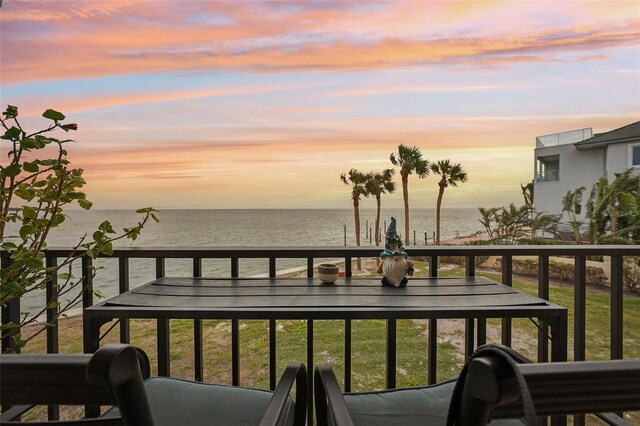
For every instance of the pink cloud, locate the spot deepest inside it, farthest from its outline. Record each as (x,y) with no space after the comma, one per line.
(138,37)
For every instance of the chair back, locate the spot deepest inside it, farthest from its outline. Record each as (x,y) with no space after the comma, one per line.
(493,388)
(110,376)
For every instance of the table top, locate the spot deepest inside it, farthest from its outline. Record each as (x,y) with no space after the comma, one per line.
(308,298)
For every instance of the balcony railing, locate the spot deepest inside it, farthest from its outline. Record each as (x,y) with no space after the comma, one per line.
(549,176)
(11,313)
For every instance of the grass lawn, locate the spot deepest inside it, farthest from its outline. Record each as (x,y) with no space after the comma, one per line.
(368,341)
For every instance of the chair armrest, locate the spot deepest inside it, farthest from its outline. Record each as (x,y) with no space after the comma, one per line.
(580,387)
(326,389)
(295,372)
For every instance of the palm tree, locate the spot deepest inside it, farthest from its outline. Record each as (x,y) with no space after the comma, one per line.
(450,174)
(358,182)
(613,204)
(489,216)
(572,205)
(410,160)
(380,183)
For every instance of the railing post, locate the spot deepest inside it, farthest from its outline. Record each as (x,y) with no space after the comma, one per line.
(123,284)
(433,266)
(617,276)
(310,372)
(617,308)
(433,331)
(52,313)
(163,342)
(507,279)
(53,411)
(272,267)
(272,335)
(580,308)
(391,353)
(543,293)
(235,333)
(87,282)
(198,358)
(309,267)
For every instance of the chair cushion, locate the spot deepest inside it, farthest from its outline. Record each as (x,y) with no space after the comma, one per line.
(406,407)
(185,402)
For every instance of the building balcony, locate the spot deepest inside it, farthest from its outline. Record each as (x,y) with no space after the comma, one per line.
(549,176)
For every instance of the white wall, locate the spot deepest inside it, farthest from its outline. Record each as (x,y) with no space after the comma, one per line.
(577,168)
(618,159)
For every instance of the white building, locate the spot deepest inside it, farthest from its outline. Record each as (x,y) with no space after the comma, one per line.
(566,161)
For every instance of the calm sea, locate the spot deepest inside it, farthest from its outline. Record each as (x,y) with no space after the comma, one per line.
(214,228)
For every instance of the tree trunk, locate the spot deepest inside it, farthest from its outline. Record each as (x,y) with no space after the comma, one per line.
(613,217)
(405,195)
(378,220)
(442,184)
(356,212)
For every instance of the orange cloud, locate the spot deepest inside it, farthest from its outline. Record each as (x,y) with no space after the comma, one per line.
(266,39)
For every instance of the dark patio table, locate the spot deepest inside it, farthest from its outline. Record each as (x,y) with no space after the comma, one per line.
(470,298)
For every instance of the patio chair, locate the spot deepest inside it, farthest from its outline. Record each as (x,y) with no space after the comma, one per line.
(495,387)
(113,375)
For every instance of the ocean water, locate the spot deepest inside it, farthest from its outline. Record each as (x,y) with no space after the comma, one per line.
(220,228)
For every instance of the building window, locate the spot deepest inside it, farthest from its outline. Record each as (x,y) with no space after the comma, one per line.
(634,155)
(548,169)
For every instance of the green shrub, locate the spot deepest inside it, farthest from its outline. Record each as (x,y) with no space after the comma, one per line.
(539,242)
(631,273)
(558,271)
(614,239)
(462,260)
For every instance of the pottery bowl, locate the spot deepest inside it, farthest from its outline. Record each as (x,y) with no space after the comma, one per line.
(328,272)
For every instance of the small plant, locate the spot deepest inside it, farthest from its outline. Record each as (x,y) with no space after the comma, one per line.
(35,187)
(631,273)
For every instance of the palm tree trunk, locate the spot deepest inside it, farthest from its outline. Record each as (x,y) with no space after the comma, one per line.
(405,195)
(356,212)
(442,184)
(378,220)
(613,216)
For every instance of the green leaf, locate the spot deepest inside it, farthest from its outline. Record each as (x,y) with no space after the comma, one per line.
(30,143)
(12,287)
(31,167)
(85,204)
(57,219)
(12,134)
(25,192)
(26,231)
(8,246)
(11,170)
(11,111)
(29,212)
(106,227)
(98,235)
(107,248)
(35,264)
(53,115)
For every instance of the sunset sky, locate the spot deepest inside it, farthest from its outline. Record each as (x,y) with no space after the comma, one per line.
(250,104)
